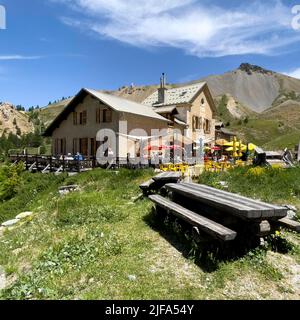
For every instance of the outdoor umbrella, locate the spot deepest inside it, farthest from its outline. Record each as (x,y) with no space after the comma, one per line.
(251,147)
(215,148)
(222,142)
(151,148)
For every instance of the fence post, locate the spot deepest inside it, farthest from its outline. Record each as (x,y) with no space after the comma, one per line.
(63,163)
(37,162)
(26,159)
(50,163)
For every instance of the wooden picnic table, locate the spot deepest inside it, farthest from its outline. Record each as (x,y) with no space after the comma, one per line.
(168,176)
(230,203)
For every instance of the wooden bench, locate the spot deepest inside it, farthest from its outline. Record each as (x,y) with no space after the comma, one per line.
(147,186)
(289,224)
(168,177)
(208,226)
(159,181)
(230,203)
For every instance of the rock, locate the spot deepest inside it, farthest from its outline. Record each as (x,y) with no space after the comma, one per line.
(223,184)
(132,278)
(291,215)
(71,174)
(24,215)
(10,222)
(290,207)
(67,189)
(2,278)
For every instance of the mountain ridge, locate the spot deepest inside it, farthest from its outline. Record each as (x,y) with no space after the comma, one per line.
(268,98)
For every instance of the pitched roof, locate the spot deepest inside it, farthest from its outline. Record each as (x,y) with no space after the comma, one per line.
(180,122)
(124,105)
(116,103)
(169,109)
(176,95)
(226,131)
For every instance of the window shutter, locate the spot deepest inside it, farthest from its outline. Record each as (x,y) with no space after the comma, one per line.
(84,117)
(109,117)
(75,118)
(98,115)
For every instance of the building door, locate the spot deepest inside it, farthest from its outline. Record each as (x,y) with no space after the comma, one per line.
(83,143)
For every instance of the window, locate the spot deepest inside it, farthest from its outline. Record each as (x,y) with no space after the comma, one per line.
(93,147)
(60,146)
(75,146)
(107,115)
(75,118)
(83,145)
(56,146)
(197,123)
(83,117)
(98,115)
(207,126)
(202,101)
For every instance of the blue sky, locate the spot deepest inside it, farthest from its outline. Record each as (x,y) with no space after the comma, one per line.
(52,48)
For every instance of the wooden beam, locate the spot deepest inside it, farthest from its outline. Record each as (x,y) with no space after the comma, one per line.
(289,224)
(226,205)
(268,210)
(210,227)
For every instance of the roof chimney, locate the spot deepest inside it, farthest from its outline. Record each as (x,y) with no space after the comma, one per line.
(162,91)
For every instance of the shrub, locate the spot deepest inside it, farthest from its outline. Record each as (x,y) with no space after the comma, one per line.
(9,180)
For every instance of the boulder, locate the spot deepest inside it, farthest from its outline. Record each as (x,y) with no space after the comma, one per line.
(132,278)
(291,215)
(24,215)
(290,207)
(10,222)
(2,278)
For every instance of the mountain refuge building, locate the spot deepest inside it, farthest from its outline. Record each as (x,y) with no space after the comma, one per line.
(190,109)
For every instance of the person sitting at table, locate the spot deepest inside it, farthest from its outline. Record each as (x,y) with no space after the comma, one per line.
(78,157)
(69,157)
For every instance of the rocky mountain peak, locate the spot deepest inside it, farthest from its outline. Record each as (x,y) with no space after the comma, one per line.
(250,69)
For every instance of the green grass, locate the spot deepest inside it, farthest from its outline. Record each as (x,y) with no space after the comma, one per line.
(32,191)
(85,245)
(268,184)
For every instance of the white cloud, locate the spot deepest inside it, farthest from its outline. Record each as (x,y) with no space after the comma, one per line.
(295,73)
(19,57)
(190,25)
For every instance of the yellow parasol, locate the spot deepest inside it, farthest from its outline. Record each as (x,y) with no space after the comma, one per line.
(222,142)
(230,144)
(230,149)
(251,147)
(240,149)
(235,155)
